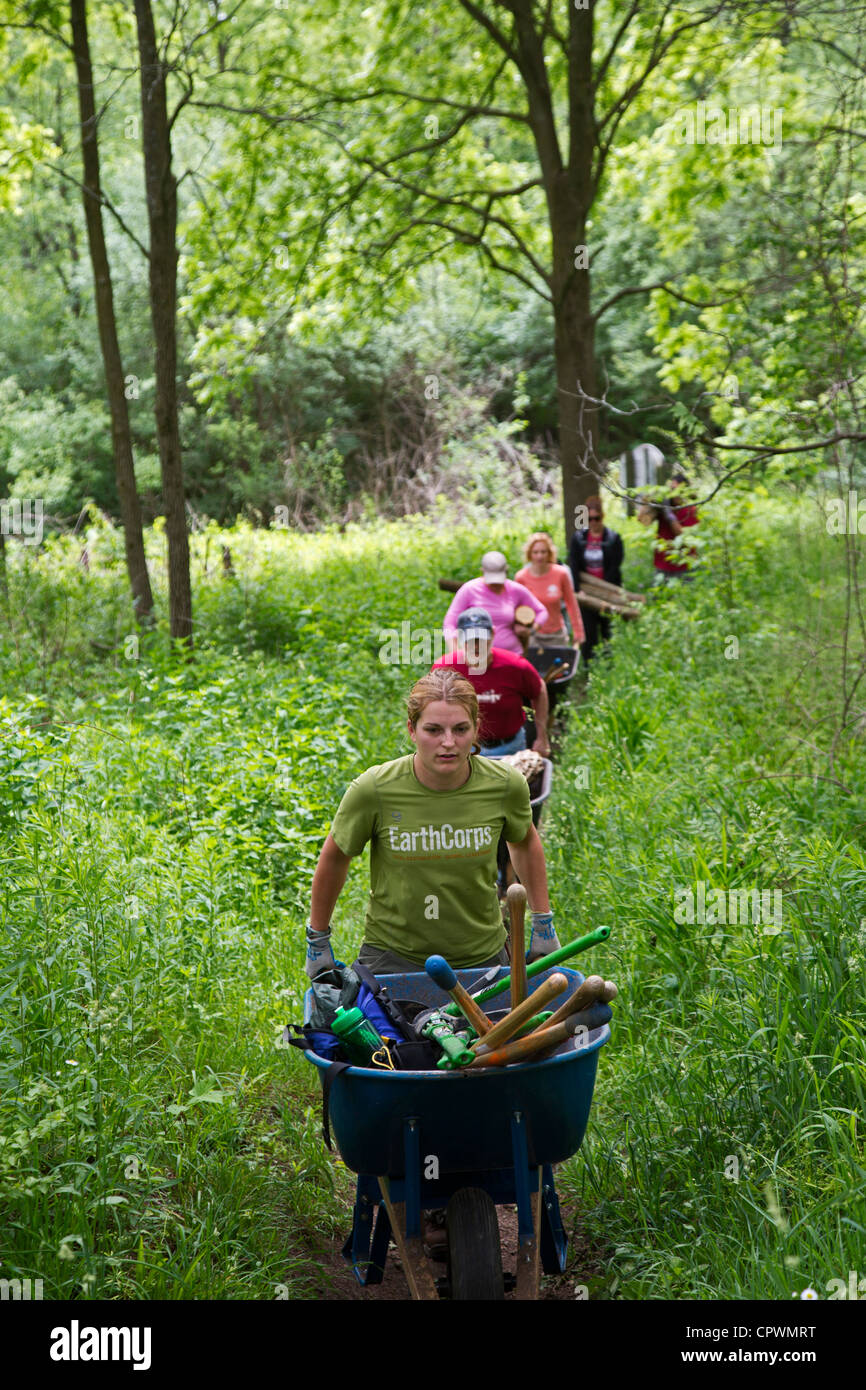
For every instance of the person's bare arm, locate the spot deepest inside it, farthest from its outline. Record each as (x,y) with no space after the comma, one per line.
(541,709)
(328,881)
(530,867)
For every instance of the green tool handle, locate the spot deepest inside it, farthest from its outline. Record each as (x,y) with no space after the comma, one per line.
(454,1048)
(583,943)
(535,1022)
(447,1063)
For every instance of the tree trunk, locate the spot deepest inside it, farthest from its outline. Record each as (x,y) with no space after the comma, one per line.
(574,333)
(121,437)
(574,326)
(569,189)
(161,187)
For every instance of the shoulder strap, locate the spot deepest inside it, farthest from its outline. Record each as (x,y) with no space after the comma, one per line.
(367,978)
(329,1076)
(385,1002)
(328,1079)
(301,1041)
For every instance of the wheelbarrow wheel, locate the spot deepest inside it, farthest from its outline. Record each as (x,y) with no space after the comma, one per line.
(474,1253)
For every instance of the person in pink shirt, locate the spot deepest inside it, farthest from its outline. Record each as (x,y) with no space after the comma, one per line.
(500,596)
(553,586)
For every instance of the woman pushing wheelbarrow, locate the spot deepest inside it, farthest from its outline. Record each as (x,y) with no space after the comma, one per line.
(433,820)
(483,1125)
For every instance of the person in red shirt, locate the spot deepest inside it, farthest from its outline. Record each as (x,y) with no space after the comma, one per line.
(672,518)
(552,585)
(504,683)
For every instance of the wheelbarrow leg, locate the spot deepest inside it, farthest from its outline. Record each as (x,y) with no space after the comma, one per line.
(405,1217)
(409,1248)
(368,1263)
(526,1188)
(554,1241)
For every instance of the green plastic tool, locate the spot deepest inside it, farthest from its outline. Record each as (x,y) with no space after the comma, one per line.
(583,943)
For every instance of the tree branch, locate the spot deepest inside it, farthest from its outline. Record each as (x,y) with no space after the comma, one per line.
(666,286)
(493,30)
(106,203)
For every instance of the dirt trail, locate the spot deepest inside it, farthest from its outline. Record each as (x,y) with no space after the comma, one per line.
(338,1283)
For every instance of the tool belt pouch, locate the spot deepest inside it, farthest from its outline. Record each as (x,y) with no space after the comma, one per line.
(409,1051)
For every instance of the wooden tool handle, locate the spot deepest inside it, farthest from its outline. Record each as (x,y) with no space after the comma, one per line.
(536,1001)
(476,1015)
(592,989)
(543,1040)
(524,615)
(442,974)
(516,896)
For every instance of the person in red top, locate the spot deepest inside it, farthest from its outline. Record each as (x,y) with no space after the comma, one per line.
(552,585)
(672,518)
(504,683)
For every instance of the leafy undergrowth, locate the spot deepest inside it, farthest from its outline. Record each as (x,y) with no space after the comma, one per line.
(160,823)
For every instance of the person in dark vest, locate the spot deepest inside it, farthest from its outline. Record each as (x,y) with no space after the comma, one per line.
(597,550)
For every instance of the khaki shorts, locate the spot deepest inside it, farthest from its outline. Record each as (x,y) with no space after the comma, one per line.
(383,962)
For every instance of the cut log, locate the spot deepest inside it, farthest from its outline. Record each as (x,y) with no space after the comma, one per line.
(606,605)
(617,593)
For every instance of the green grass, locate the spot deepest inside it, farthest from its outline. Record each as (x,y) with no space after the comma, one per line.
(160,823)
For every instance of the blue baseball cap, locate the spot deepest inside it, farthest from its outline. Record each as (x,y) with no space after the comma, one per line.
(475,622)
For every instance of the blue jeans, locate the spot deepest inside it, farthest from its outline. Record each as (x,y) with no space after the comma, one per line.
(514,745)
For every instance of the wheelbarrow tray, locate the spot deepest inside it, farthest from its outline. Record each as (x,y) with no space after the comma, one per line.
(544,790)
(542,658)
(464,1118)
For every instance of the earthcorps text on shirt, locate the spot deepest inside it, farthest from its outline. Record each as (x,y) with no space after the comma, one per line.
(433,857)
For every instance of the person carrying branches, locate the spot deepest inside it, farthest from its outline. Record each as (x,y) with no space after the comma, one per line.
(672,517)
(598,550)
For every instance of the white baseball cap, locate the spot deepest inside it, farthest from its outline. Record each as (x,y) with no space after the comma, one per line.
(494,567)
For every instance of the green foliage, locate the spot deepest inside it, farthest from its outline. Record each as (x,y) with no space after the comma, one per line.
(726,1158)
(160,824)
(58,452)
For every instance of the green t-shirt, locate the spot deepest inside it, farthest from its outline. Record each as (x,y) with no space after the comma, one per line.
(433,856)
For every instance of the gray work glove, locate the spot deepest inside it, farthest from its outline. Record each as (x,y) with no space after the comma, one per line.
(319,954)
(543,939)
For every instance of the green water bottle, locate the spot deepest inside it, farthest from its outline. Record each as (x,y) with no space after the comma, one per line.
(357,1034)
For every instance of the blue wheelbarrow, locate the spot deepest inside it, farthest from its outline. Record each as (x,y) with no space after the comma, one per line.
(556,666)
(465,1141)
